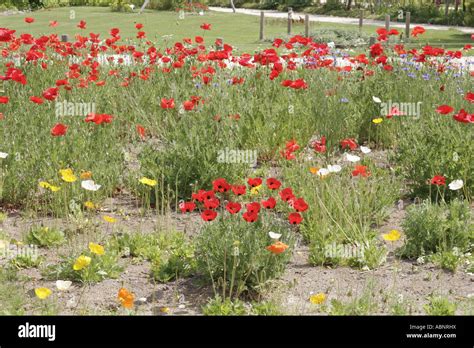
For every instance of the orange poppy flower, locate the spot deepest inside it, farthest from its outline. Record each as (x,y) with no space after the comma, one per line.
(126,298)
(277,247)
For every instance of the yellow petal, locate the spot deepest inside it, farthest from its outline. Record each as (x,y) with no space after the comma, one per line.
(377,120)
(392,236)
(96,249)
(81,262)
(149,182)
(109,219)
(317,298)
(255,190)
(89,205)
(43,293)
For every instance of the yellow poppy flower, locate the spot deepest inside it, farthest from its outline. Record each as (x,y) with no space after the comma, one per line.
(89,205)
(86,175)
(96,249)
(43,293)
(109,219)
(47,185)
(81,262)
(67,175)
(377,120)
(392,236)
(317,298)
(148,182)
(313,170)
(255,190)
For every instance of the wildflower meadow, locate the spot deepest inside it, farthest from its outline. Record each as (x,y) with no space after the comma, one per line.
(151,169)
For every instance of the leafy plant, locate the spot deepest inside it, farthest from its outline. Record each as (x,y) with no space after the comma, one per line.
(438,305)
(45,236)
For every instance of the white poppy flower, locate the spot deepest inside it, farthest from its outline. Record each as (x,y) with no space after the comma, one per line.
(3,155)
(334,168)
(365,149)
(63,285)
(376,99)
(274,235)
(352,158)
(90,185)
(323,172)
(456,184)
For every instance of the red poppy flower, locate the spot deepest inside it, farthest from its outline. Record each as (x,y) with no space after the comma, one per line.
(141,131)
(239,190)
(58,130)
(295,218)
(51,93)
(138,26)
(438,180)
(4,100)
(269,203)
(205,26)
(320,145)
(253,207)
(273,184)
(349,143)
(187,207)
(211,203)
(53,24)
(254,181)
(167,103)
(376,50)
(250,216)
(199,196)
(286,194)
(360,170)
(469,97)
(29,20)
(199,39)
(221,185)
(208,215)
(463,117)
(6,35)
(99,118)
(444,109)
(233,207)
(300,205)
(37,100)
(188,105)
(417,31)
(82,24)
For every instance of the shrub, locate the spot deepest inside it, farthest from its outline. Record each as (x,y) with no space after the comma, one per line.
(438,305)
(432,228)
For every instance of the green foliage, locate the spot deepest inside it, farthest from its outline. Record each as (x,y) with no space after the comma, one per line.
(171,254)
(232,253)
(45,236)
(217,306)
(432,228)
(448,260)
(438,305)
(342,211)
(101,267)
(26,261)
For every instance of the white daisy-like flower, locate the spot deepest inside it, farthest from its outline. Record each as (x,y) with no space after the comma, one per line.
(352,158)
(63,285)
(334,168)
(456,185)
(274,235)
(365,149)
(90,185)
(376,99)
(3,155)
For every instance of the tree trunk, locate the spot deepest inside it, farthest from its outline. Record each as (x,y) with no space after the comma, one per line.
(349,4)
(446,9)
(232,5)
(456,5)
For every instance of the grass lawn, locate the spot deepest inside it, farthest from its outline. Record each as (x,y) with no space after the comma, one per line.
(239,30)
